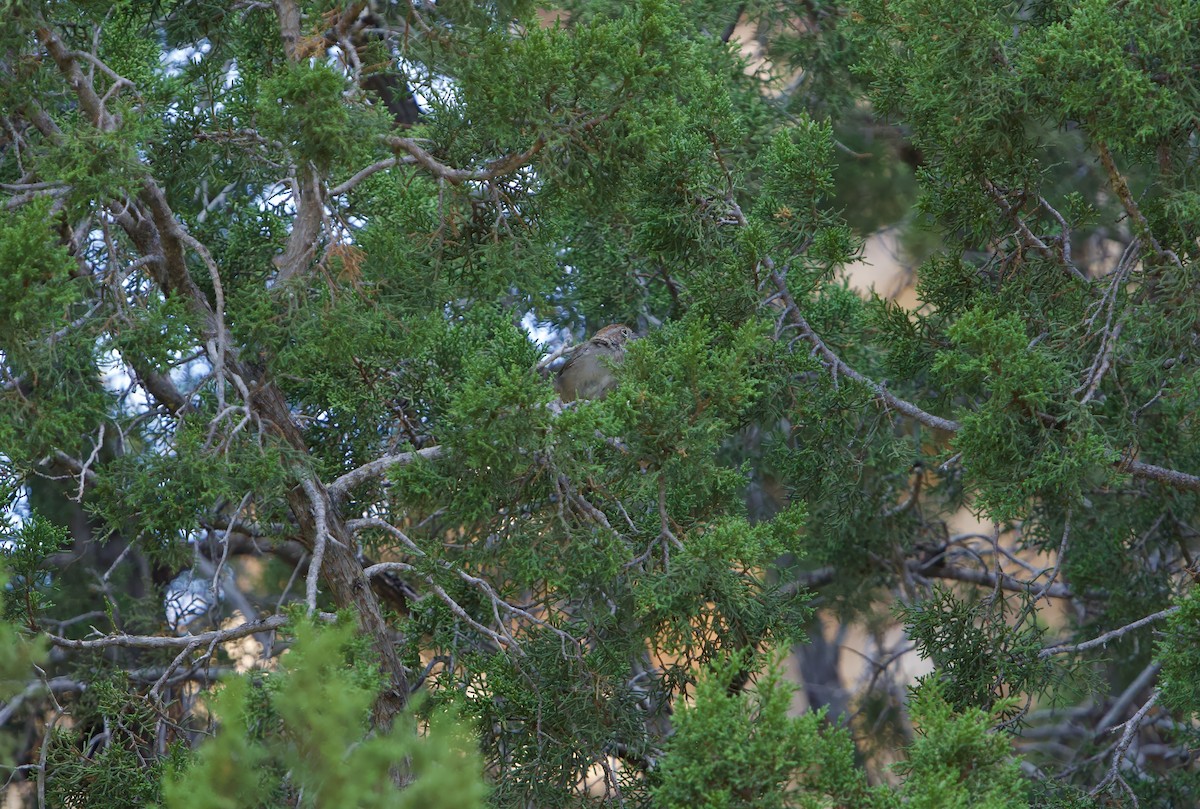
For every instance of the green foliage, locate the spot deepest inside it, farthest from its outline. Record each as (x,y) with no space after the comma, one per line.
(978,656)
(58,398)
(161,330)
(297,739)
(744,750)
(17,650)
(1137,53)
(797,181)
(711,588)
(1025,426)
(25,551)
(162,493)
(127,48)
(486,416)
(935,62)
(683,390)
(303,107)
(93,164)
(18,653)
(36,290)
(797,171)
(1048,795)
(229,770)
(1179,651)
(115,777)
(123,771)
(957,761)
(561,576)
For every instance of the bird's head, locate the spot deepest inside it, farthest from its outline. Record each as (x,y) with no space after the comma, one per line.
(614,336)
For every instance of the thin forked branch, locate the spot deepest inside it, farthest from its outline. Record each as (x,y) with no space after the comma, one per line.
(167,642)
(1102,640)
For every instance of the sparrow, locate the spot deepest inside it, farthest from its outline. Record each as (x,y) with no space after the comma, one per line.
(588,371)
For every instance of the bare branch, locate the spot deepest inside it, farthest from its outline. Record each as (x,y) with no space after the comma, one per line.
(322,539)
(118,80)
(12,203)
(1170,477)
(985,579)
(157,385)
(379,568)
(74,324)
(1101,640)
(216,576)
(836,366)
(161,682)
(57,685)
(1103,359)
(499,602)
(359,176)
(545,361)
(376,522)
(571,495)
(1131,729)
(490,171)
(1122,703)
(301,243)
(1064,239)
(1058,559)
(415,15)
(811,579)
(1139,469)
(155,231)
(289,26)
(86,469)
(161,642)
(211,205)
(1032,240)
(42,186)
(664,520)
(306,188)
(339,487)
(505,640)
(69,67)
(74,465)
(1121,187)
(44,755)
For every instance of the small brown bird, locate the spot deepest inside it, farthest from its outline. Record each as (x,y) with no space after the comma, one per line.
(587,373)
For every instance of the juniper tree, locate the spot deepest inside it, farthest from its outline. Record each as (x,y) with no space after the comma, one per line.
(273,339)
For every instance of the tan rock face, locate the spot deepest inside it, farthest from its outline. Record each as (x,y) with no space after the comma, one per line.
(883,269)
